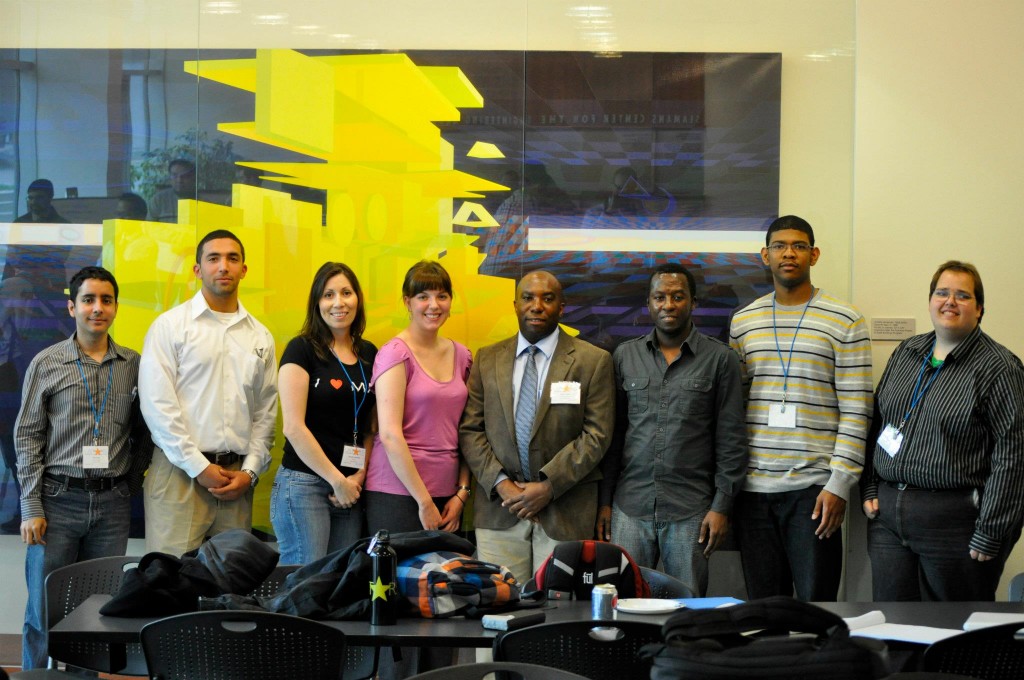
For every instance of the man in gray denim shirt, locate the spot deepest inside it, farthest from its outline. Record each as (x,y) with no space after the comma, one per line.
(679,453)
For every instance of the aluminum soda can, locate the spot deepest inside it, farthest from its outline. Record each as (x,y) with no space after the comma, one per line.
(603,598)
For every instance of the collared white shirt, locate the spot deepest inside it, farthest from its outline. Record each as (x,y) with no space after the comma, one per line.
(547,348)
(209,386)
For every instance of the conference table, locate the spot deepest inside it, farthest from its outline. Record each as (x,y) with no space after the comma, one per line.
(86,624)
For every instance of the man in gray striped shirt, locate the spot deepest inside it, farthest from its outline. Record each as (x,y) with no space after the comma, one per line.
(82,448)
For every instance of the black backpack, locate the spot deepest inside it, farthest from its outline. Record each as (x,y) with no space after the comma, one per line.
(709,643)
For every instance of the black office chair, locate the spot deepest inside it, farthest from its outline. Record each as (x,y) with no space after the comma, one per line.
(360,662)
(608,653)
(1016,593)
(242,645)
(508,670)
(665,586)
(70,586)
(994,653)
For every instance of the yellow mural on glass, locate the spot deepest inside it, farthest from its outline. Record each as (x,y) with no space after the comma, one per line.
(367,125)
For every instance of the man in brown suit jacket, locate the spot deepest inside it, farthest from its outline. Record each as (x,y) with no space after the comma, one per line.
(522,513)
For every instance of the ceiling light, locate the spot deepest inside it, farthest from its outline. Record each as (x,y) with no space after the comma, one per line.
(270,19)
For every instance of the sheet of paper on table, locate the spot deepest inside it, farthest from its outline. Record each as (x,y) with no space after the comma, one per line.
(873,625)
(986,619)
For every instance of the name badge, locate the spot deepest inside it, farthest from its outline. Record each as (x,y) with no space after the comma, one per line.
(353,457)
(891,439)
(565,392)
(782,415)
(95,457)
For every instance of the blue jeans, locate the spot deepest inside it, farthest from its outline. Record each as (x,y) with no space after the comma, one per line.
(306,524)
(919,549)
(80,525)
(675,543)
(779,550)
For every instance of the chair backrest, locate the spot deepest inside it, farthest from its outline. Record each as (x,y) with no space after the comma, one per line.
(360,662)
(1016,593)
(607,652)
(247,645)
(508,669)
(70,586)
(665,586)
(67,587)
(991,653)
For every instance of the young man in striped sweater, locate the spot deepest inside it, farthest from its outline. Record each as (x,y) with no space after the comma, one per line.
(806,359)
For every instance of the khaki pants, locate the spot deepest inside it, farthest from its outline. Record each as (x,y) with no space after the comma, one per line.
(180,513)
(522,548)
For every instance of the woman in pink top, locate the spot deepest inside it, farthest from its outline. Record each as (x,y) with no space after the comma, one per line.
(415,478)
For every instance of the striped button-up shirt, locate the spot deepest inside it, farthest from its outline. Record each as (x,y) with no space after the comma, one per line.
(56,419)
(966,432)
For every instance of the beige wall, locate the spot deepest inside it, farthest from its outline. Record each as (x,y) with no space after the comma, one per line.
(937,160)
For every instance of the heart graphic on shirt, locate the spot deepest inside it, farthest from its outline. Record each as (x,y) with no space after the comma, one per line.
(336,384)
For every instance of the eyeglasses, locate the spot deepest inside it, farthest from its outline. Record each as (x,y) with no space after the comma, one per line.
(799,248)
(946,294)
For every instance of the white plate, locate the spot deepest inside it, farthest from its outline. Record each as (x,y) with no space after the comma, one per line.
(647,605)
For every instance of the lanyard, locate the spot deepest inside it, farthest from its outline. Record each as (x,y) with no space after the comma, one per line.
(796,331)
(356,407)
(98,415)
(918,394)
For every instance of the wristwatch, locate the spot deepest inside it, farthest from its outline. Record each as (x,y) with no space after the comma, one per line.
(254,478)
(464,488)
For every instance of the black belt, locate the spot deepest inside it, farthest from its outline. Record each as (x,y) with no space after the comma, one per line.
(86,483)
(222,457)
(903,486)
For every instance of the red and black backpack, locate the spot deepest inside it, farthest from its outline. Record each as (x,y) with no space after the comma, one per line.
(577,566)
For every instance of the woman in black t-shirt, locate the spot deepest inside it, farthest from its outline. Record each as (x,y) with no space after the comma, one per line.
(327,407)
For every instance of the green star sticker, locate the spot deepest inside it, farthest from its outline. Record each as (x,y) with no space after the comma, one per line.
(379,590)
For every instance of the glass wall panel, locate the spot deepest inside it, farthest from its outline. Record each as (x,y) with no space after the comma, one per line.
(595,141)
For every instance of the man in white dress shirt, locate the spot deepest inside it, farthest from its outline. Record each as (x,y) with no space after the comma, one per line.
(208,390)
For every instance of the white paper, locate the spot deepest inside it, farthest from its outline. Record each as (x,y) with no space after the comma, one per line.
(565,392)
(872,625)
(95,457)
(353,457)
(864,620)
(891,440)
(986,619)
(782,415)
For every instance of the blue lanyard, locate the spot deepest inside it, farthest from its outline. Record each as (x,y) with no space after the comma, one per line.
(918,394)
(775,330)
(355,407)
(98,415)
